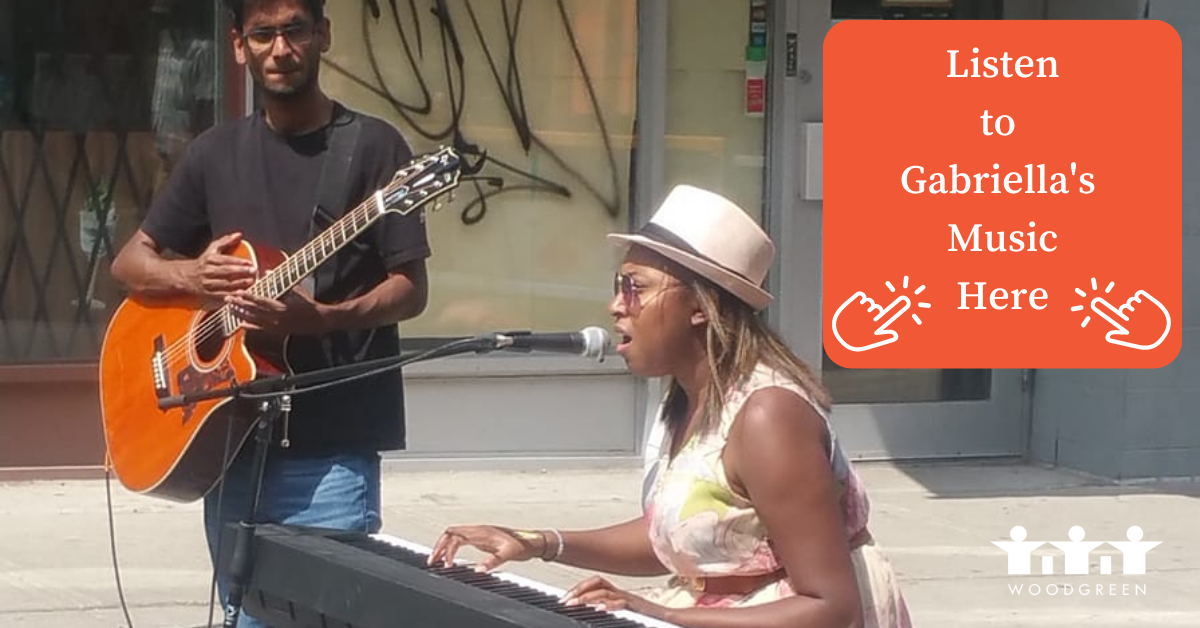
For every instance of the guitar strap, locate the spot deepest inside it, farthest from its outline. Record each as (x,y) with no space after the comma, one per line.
(333,187)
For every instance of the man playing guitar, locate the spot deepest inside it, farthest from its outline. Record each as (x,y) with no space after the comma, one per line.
(260,178)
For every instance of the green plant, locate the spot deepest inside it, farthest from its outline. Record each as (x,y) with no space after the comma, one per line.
(98,200)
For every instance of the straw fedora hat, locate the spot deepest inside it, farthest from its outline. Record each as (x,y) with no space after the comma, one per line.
(711,236)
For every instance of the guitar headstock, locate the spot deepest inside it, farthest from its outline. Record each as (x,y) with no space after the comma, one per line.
(426,178)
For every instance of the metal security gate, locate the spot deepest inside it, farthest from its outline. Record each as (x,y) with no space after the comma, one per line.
(59,190)
(97,102)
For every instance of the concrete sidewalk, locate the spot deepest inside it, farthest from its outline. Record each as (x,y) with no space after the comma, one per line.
(935,521)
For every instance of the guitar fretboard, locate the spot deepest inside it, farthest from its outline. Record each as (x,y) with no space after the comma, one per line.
(299,265)
(421,181)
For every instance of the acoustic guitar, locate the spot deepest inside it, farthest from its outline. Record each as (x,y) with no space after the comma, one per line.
(157,348)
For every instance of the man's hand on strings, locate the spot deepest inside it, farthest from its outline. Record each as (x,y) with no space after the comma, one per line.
(297,313)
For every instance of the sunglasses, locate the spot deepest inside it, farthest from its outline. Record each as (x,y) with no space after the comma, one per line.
(629,292)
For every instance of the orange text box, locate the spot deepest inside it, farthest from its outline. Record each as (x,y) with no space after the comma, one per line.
(1060,141)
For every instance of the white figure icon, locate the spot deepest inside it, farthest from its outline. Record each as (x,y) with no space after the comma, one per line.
(1019,550)
(1076,551)
(1134,551)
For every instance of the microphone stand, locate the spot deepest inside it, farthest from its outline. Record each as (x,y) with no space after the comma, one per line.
(276,395)
(243,547)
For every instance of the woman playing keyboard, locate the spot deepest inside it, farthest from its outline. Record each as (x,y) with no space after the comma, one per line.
(750,505)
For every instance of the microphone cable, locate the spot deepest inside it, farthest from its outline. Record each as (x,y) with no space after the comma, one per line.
(112,536)
(216,558)
(112,532)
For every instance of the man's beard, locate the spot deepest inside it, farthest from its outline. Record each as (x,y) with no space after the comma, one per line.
(289,92)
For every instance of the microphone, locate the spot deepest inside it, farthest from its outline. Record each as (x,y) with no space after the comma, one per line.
(590,342)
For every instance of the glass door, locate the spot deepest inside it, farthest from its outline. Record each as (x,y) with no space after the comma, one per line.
(918,413)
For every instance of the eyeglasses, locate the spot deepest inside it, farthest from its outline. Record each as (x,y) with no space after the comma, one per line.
(630,292)
(295,35)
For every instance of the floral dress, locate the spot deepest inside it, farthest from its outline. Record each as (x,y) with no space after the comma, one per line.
(700,526)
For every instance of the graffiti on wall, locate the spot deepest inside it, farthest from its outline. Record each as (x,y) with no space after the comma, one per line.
(405,19)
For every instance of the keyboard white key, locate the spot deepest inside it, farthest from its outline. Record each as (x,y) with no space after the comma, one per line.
(399,542)
(650,622)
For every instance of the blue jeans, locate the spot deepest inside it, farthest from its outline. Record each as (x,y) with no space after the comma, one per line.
(340,491)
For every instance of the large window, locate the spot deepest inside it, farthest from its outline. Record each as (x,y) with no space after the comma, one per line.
(547,89)
(97,99)
(716,97)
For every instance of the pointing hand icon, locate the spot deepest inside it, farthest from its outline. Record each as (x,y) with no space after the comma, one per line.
(895,309)
(1137,319)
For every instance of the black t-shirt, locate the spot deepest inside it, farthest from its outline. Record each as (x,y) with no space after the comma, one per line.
(243,176)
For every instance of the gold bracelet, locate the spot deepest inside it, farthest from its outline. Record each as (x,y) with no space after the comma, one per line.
(531,536)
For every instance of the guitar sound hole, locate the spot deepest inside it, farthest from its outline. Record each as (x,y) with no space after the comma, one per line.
(209,338)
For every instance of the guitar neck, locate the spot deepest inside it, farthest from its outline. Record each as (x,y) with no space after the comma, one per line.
(414,185)
(302,263)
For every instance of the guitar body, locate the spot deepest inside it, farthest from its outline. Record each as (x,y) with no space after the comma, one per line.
(178,453)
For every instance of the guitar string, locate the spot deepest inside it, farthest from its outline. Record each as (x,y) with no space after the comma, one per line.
(217,320)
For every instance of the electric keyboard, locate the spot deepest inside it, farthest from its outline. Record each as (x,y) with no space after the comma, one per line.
(318,578)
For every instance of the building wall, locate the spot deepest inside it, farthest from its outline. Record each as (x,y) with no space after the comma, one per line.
(1113,422)
(1135,423)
